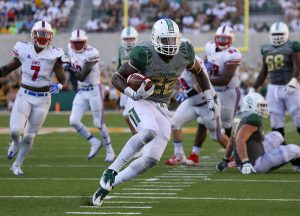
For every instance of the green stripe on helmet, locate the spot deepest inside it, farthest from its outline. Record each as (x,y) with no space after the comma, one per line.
(128,30)
(277,25)
(170,25)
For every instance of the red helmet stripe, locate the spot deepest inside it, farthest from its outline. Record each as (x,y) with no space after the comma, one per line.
(43,24)
(78,33)
(223,30)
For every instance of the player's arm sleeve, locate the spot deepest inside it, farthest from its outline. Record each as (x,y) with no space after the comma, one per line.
(140,57)
(254,120)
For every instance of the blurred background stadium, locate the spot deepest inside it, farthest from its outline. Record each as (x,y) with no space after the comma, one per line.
(104,20)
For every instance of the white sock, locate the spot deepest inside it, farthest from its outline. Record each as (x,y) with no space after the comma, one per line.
(178,148)
(23,151)
(134,145)
(125,175)
(105,135)
(196,150)
(85,132)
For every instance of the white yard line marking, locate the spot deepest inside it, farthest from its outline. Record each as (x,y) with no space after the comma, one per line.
(104,213)
(163,186)
(52,179)
(183,177)
(187,174)
(208,198)
(60,166)
(254,180)
(152,189)
(118,207)
(145,194)
(43,197)
(170,182)
(130,202)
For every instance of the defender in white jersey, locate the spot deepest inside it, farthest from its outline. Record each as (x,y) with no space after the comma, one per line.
(222,63)
(84,65)
(37,60)
(193,106)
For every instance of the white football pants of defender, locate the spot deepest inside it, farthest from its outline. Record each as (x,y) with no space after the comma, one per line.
(279,102)
(27,117)
(185,112)
(83,102)
(230,100)
(152,122)
(275,153)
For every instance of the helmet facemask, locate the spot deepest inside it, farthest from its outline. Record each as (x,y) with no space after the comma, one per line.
(223,41)
(129,42)
(278,39)
(78,46)
(167,45)
(42,38)
(279,33)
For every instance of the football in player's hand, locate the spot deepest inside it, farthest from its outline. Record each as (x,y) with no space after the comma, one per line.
(135,81)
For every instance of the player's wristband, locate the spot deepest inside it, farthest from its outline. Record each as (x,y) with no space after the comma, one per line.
(208,94)
(245,161)
(129,92)
(191,92)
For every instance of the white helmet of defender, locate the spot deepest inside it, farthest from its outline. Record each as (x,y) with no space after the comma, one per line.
(255,102)
(224,37)
(41,34)
(78,40)
(166,37)
(279,33)
(129,37)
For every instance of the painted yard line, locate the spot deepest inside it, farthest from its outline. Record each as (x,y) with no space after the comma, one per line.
(104,213)
(189,171)
(183,177)
(187,174)
(47,130)
(254,180)
(155,179)
(118,207)
(52,179)
(169,182)
(152,189)
(208,198)
(163,186)
(42,197)
(144,193)
(130,202)
(60,166)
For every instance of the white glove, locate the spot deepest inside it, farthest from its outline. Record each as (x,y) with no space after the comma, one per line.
(247,168)
(212,106)
(141,93)
(291,86)
(55,88)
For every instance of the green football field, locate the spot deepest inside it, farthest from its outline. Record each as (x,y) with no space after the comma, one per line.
(59,180)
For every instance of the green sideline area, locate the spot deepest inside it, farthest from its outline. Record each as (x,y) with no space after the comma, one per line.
(59,180)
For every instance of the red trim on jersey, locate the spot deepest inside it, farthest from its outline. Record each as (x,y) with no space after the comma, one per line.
(233,62)
(94,58)
(15,52)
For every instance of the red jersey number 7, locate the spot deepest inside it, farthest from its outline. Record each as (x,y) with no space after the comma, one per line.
(36,71)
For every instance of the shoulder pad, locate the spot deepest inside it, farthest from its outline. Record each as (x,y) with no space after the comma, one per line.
(187,50)
(92,54)
(296,46)
(265,48)
(141,56)
(254,119)
(233,56)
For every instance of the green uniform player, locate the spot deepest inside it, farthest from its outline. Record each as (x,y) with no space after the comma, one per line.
(162,61)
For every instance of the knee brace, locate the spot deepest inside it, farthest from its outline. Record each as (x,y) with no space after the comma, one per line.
(142,164)
(147,135)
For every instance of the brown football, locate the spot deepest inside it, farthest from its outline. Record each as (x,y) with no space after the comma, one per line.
(135,81)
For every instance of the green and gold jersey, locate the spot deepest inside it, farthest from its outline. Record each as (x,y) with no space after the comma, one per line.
(124,55)
(279,61)
(163,74)
(254,144)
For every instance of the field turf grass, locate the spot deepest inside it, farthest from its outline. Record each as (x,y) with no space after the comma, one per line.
(59,180)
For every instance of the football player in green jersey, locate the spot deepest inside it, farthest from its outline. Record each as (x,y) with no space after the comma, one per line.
(162,60)
(252,151)
(129,38)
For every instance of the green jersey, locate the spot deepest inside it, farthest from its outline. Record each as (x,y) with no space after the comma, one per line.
(124,54)
(254,144)
(162,74)
(279,61)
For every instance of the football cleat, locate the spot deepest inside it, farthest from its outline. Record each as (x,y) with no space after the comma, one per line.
(12,151)
(193,160)
(176,159)
(232,163)
(108,179)
(98,196)
(95,147)
(16,170)
(110,156)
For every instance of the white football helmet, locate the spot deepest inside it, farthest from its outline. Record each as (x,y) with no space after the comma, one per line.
(224,37)
(78,40)
(41,34)
(166,37)
(255,102)
(129,37)
(279,33)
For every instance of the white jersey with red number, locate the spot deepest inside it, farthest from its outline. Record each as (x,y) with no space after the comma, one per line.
(187,81)
(219,59)
(78,60)
(37,68)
